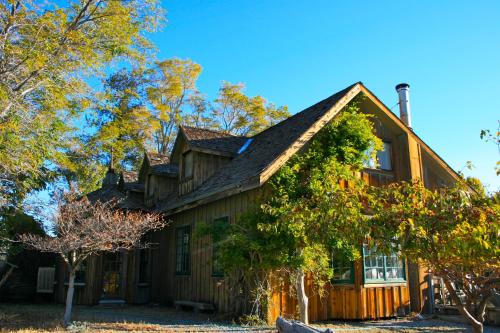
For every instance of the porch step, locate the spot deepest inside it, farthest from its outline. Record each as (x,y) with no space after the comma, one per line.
(196,306)
(111,302)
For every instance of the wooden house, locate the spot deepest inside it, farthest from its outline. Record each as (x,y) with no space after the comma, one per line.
(212,175)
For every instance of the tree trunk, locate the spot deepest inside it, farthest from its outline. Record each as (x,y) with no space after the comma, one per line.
(477,326)
(69,298)
(302,297)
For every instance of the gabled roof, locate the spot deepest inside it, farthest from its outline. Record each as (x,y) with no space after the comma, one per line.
(122,199)
(270,149)
(245,171)
(202,139)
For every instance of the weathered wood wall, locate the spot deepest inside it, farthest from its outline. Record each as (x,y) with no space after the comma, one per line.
(199,285)
(343,301)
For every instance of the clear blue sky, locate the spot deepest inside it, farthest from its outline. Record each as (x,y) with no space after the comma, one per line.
(299,52)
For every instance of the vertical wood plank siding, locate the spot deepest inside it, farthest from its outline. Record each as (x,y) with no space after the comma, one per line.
(199,285)
(349,301)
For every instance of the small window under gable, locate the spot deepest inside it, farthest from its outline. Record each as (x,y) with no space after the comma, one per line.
(187,165)
(383,160)
(384,157)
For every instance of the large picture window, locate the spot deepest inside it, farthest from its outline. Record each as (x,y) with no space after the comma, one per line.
(381,268)
(343,269)
(216,265)
(182,244)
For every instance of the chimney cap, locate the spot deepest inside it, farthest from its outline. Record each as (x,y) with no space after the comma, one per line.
(402,86)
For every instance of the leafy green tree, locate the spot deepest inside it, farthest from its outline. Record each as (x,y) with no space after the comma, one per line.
(173,86)
(47,51)
(316,206)
(238,114)
(452,231)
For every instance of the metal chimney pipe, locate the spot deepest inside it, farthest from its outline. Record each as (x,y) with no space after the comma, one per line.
(403,90)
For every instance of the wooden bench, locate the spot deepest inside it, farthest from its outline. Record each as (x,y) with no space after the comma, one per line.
(196,306)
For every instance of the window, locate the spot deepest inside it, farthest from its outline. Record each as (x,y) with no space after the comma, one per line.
(217,270)
(343,269)
(144,267)
(80,272)
(382,268)
(182,244)
(383,160)
(384,157)
(187,165)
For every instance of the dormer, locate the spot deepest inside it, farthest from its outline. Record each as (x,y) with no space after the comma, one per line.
(200,153)
(162,183)
(150,160)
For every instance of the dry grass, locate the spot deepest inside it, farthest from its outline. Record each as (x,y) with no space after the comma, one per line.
(47,318)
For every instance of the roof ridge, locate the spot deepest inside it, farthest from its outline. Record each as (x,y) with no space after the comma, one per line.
(213,131)
(307,108)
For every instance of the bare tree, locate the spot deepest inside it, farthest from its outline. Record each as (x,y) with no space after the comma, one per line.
(84,229)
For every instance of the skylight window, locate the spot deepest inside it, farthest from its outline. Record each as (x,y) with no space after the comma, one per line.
(245,146)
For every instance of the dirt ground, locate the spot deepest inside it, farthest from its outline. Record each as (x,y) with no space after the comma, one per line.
(46,318)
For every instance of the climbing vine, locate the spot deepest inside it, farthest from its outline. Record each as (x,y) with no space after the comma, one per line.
(315,205)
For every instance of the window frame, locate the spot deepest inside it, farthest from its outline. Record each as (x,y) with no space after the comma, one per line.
(389,153)
(184,164)
(217,273)
(373,164)
(344,261)
(141,279)
(80,275)
(185,255)
(385,280)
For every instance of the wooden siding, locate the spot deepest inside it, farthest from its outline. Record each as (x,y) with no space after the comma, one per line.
(343,301)
(199,285)
(348,301)
(204,166)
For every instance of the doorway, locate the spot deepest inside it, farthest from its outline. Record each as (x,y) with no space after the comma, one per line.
(111,284)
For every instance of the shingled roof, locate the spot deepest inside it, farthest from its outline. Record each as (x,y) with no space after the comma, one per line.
(217,141)
(165,170)
(123,199)
(129,176)
(155,158)
(245,170)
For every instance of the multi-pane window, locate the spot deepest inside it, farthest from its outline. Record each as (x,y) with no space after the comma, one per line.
(379,267)
(343,269)
(144,266)
(182,244)
(216,265)
(187,165)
